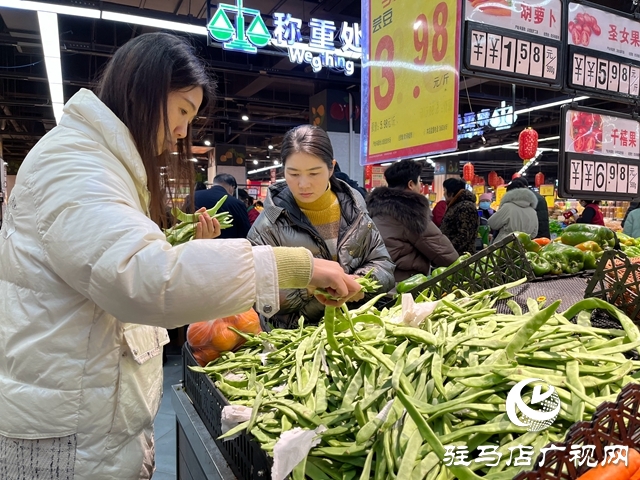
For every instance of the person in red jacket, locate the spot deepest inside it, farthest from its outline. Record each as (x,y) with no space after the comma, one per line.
(591,213)
(248,201)
(438,212)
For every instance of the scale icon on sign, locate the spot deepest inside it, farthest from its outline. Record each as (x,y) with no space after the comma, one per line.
(221,29)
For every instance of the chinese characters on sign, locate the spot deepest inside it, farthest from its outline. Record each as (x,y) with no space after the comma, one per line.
(473,124)
(320,52)
(523,455)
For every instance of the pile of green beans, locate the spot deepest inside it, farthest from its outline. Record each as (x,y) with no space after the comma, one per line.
(443,384)
(185,229)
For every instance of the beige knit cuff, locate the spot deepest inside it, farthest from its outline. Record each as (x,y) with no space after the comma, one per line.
(295,267)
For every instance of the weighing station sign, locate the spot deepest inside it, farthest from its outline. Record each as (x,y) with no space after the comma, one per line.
(410,78)
(514,41)
(599,155)
(604,52)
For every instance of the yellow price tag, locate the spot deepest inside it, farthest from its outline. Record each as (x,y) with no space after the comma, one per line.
(551,201)
(478,189)
(500,191)
(547,190)
(410,78)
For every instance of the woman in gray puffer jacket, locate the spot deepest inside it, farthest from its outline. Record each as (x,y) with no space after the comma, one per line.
(517,212)
(315,210)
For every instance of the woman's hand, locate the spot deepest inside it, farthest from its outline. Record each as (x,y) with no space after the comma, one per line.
(358,296)
(330,276)
(207,227)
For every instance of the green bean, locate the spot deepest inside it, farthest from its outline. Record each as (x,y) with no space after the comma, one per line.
(409,459)
(366,471)
(525,333)
(573,380)
(353,389)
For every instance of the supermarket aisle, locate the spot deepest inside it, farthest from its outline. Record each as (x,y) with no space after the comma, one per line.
(165,425)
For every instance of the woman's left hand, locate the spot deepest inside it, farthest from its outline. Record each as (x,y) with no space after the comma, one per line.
(358,296)
(207,227)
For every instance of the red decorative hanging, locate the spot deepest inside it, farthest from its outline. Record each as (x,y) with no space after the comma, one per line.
(493,179)
(477,180)
(468,172)
(539,179)
(515,175)
(500,181)
(527,144)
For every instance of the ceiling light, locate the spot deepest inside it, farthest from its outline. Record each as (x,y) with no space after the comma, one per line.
(263,169)
(270,147)
(48,23)
(386,164)
(276,162)
(255,162)
(245,118)
(207,143)
(48,7)
(552,104)
(154,22)
(194,159)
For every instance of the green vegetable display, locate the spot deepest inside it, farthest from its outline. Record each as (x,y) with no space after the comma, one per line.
(538,263)
(528,244)
(185,229)
(570,258)
(580,233)
(451,376)
(411,283)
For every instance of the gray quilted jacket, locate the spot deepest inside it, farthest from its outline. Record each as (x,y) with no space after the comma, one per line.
(360,246)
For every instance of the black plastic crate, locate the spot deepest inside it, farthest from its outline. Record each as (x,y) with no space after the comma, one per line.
(243,454)
(617,281)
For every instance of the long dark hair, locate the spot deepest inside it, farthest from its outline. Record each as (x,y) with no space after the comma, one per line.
(135,86)
(311,140)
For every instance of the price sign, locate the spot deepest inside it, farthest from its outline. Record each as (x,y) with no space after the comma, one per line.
(410,78)
(600,156)
(516,41)
(603,52)
(478,189)
(547,190)
(500,191)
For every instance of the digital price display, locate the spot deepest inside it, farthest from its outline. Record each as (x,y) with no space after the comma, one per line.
(599,155)
(604,52)
(410,78)
(515,41)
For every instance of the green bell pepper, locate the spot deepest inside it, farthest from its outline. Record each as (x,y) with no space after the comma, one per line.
(590,260)
(437,271)
(538,263)
(411,283)
(571,258)
(528,244)
(580,233)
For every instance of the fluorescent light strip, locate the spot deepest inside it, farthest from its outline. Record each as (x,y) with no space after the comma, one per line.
(552,104)
(509,146)
(152,22)
(48,22)
(48,7)
(263,169)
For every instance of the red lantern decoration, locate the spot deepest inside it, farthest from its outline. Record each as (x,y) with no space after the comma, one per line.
(468,172)
(493,179)
(515,175)
(539,179)
(527,144)
(500,181)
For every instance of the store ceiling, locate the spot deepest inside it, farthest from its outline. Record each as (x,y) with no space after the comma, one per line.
(272,90)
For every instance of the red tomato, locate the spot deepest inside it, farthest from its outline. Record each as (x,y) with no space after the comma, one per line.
(591,144)
(596,28)
(586,28)
(579,144)
(572,25)
(580,18)
(587,119)
(585,38)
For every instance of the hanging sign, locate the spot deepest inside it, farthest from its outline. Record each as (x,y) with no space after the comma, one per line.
(604,52)
(547,190)
(599,155)
(320,52)
(514,41)
(410,79)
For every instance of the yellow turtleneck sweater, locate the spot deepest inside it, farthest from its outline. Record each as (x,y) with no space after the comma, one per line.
(324,215)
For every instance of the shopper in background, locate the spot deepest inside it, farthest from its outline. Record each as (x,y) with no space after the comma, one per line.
(591,213)
(340,175)
(248,201)
(484,206)
(461,220)
(517,212)
(88,280)
(402,215)
(259,205)
(225,184)
(438,212)
(634,204)
(313,209)
(632,223)
(542,210)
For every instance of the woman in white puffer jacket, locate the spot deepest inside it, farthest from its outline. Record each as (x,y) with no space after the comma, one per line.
(88,280)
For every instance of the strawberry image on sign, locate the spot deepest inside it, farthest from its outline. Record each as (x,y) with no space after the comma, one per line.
(527,144)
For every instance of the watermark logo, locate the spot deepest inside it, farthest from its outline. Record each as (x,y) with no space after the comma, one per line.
(535,420)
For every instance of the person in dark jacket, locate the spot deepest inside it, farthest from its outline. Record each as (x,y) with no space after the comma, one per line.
(248,201)
(591,213)
(542,211)
(402,215)
(340,175)
(315,210)
(225,184)
(461,221)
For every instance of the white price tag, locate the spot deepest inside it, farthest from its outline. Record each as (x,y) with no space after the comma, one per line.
(551,62)
(633,179)
(523,57)
(588,174)
(478,48)
(577,74)
(600,177)
(614,76)
(612,178)
(634,76)
(590,72)
(575,175)
(624,79)
(602,74)
(622,178)
(508,54)
(494,51)
(536,68)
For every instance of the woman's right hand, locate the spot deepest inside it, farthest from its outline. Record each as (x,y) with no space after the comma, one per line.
(331,277)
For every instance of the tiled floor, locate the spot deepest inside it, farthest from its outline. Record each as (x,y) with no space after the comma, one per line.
(165,424)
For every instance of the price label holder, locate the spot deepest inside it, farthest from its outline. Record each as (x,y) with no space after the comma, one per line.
(547,190)
(410,78)
(517,42)
(603,52)
(599,154)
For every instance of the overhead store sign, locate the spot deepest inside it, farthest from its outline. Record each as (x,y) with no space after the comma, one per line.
(410,79)
(514,41)
(599,155)
(320,52)
(473,124)
(604,52)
